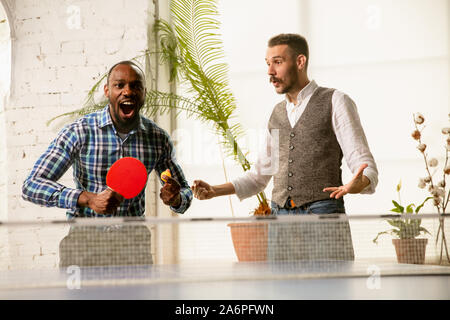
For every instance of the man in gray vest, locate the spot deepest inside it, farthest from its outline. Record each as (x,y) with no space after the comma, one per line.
(308,134)
(314,128)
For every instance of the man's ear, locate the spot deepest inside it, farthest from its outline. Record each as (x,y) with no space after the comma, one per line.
(106,90)
(301,62)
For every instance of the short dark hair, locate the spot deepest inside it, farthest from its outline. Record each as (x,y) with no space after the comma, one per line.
(129,63)
(295,42)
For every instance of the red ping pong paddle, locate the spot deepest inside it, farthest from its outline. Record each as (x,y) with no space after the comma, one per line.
(127,176)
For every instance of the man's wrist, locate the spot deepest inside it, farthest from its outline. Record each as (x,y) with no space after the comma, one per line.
(84,199)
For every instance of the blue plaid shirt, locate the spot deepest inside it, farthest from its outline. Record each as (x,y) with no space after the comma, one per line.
(91,145)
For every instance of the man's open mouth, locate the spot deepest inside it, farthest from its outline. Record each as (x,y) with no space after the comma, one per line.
(127,108)
(275,81)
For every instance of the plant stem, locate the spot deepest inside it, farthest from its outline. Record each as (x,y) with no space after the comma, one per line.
(226,179)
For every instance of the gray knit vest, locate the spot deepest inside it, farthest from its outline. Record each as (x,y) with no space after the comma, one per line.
(309,154)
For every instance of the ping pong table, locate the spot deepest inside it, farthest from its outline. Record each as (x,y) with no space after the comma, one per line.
(346,280)
(130,272)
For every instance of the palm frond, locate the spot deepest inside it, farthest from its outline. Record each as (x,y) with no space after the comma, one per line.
(158,102)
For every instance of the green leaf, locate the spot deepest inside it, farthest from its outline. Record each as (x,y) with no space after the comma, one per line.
(397,223)
(422,229)
(375,240)
(398,207)
(409,208)
(420,207)
(396,233)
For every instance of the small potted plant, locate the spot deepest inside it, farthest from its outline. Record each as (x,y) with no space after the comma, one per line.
(406,228)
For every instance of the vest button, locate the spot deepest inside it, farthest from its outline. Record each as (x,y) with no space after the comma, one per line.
(290,160)
(290,174)
(292,134)
(289,188)
(291,147)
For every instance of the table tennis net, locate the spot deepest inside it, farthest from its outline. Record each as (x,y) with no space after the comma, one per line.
(283,246)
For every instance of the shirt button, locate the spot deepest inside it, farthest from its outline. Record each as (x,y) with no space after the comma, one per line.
(292,134)
(290,174)
(291,147)
(289,188)
(290,160)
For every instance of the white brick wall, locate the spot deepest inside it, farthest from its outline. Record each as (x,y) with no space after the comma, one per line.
(55,62)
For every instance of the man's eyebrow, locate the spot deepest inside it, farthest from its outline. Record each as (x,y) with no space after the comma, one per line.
(276,57)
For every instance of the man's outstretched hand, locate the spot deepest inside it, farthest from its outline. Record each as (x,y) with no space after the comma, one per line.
(202,190)
(356,185)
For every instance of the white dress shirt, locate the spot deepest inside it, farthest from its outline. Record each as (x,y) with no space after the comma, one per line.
(349,133)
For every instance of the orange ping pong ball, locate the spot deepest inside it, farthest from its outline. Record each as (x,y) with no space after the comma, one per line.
(165,173)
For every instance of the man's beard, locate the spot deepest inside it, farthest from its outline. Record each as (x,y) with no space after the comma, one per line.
(288,85)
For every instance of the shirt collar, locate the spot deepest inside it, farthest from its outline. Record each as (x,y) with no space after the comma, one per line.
(105,117)
(305,92)
(106,120)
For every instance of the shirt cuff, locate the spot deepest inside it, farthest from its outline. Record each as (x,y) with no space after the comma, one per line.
(186,199)
(68,198)
(372,176)
(240,189)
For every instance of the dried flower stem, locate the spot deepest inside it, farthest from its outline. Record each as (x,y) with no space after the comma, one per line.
(440,206)
(445,202)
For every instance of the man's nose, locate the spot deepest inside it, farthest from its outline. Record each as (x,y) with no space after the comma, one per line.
(126,91)
(270,70)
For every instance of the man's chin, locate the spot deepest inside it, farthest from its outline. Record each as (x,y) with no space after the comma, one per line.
(128,121)
(280,90)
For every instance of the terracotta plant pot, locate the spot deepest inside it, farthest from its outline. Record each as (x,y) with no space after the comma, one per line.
(249,240)
(410,250)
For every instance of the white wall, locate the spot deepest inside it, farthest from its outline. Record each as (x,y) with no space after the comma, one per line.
(392,58)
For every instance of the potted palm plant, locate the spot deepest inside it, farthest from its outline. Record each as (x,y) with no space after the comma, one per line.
(406,228)
(191,47)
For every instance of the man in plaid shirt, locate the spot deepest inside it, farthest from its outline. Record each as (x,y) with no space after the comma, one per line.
(94,142)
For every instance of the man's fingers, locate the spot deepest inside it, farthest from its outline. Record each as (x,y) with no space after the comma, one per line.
(198,192)
(203,194)
(202,190)
(171,186)
(336,192)
(200,183)
(118,197)
(171,182)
